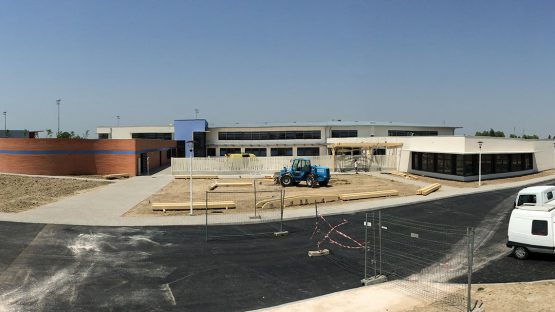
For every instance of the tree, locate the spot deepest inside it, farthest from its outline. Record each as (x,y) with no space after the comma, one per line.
(49,133)
(67,135)
(491,133)
(530,137)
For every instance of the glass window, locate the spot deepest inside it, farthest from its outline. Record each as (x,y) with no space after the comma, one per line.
(344,133)
(281,151)
(526,199)
(487,162)
(501,163)
(516,162)
(158,136)
(308,151)
(444,163)
(416,161)
(539,227)
(103,135)
(411,133)
(459,165)
(259,152)
(549,195)
(211,151)
(269,135)
(428,162)
(528,162)
(229,150)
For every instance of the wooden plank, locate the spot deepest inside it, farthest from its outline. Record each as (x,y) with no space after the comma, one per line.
(186,176)
(196,206)
(353,196)
(229,184)
(297,200)
(428,189)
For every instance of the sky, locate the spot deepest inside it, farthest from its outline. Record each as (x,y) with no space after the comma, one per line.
(474,64)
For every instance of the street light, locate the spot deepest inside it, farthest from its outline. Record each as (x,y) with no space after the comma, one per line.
(5,124)
(117,117)
(191,148)
(480,163)
(58,104)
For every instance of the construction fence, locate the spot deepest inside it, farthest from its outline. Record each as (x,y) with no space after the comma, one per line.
(269,165)
(421,258)
(255,212)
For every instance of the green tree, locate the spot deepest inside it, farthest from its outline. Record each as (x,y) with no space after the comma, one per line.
(491,133)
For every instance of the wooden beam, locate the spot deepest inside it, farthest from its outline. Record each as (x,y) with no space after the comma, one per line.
(428,189)
(186,176)
(365,195)
(196,206)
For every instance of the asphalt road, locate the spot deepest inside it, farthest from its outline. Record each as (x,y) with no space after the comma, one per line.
(77,268)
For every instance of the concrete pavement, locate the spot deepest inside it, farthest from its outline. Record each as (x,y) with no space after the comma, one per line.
(105,206)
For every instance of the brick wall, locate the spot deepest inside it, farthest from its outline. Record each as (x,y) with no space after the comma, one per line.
(78,157)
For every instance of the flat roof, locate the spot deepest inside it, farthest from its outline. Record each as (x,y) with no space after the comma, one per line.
(322,124)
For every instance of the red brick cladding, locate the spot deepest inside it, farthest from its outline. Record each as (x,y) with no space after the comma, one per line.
(76,157)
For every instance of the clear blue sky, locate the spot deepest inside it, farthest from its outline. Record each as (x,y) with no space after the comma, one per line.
(476,64)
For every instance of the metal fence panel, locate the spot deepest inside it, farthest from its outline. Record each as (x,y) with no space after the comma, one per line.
(249,213)
(420,257)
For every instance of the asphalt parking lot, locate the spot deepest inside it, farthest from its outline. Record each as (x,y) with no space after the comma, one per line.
(58,267)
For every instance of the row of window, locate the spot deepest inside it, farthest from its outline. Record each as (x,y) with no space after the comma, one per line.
(159,136)
(411,133)
(270,135)
(467,165)
(262,152)
(344,133)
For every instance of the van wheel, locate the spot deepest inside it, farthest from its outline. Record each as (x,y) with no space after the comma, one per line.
(521,253)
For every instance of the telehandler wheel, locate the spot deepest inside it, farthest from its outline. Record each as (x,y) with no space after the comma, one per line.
(311,181)
(324,183)
(286,180)
(521,253)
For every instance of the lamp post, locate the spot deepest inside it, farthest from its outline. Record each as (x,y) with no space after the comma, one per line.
(480,163)
(191,148)
(5,124)
(58,104)
(117,117)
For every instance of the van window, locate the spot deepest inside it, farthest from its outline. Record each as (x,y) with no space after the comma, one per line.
(526,199)
(549,195)
(539,227)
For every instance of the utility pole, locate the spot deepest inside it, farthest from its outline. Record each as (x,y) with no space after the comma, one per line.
(117,117)
(58,104)
(196,113)
(480,164)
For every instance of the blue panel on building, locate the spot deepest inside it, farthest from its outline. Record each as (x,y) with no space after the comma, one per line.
(183,129)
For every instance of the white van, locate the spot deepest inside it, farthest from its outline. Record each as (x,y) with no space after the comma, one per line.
(532,222)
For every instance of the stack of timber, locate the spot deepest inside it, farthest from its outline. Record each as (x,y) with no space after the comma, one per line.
(365,195)
(196,206)
(428,189)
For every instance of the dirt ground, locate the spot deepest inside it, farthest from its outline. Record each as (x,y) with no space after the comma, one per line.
(488,182)
(178,191)
(513,297)
(20,193)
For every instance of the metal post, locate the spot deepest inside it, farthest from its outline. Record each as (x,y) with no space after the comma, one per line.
(366,245)
(380,238)
(254,184)
(5,124)
(190,177)
(206,215)
(58,104)
(282,204)
(470,251)
(147,165)
(374,242)
(480,164)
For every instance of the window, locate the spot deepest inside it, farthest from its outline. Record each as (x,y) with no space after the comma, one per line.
(459,165)
(258,152)
(516,162)
(281,151)
(444,163)
(269,135)
(501,163)
(526,199)
(549,195)
(229,150)
(528,162)
(308,151)
(378,151)
(411,133)
(487,162)
(158,136)
(103,135)
(211,151)
(539,227)
(428,162)
(416,161)
(344,133)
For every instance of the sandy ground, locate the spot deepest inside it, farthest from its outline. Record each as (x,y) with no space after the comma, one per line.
(178,191)
(512,297)
(487,182)
(19,193)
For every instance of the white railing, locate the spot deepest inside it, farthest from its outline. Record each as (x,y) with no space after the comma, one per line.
(266,165)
